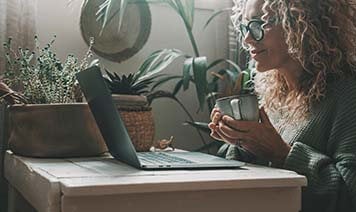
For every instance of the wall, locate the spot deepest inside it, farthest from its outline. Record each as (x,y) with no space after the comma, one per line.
(57,18)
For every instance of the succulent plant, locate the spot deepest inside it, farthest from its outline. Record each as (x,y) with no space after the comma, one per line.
(129,84)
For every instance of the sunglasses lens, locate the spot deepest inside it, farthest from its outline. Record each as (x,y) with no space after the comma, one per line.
(256,30)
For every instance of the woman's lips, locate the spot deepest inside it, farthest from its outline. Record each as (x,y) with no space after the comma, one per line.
(254,53)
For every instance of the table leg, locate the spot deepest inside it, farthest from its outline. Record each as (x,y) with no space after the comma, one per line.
(16,203)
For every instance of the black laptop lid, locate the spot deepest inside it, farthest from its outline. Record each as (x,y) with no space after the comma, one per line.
(106,115)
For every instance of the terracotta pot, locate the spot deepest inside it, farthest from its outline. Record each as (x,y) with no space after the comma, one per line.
(138,119)
(54,130)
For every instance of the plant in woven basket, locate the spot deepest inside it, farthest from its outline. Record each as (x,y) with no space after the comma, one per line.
(44,117)
(129,93)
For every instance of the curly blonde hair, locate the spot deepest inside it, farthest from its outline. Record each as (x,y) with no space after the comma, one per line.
(321,36)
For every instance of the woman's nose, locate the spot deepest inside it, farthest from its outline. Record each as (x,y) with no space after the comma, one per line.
(248,39)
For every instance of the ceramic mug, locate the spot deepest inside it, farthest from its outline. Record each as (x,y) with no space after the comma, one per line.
(240,107)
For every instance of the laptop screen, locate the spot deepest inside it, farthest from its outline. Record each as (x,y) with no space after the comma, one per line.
(107,116)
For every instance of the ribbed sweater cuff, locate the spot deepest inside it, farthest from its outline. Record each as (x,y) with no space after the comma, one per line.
(303,158)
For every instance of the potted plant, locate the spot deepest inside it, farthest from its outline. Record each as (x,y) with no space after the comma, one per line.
(129,94)
(195,69)
(45,118)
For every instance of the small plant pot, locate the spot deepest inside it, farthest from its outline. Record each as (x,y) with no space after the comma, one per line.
(138,119)
(54,130)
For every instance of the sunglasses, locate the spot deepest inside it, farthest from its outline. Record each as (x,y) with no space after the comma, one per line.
(255,27)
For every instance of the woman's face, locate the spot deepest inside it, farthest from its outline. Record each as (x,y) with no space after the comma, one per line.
(271,52)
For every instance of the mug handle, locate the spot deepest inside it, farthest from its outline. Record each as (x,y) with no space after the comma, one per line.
(236,110)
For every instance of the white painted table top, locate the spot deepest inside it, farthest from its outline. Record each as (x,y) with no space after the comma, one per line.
(105,175)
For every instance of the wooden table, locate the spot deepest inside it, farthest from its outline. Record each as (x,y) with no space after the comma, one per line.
(104,184)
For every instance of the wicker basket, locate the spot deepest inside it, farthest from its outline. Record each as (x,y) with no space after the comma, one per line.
(138,119)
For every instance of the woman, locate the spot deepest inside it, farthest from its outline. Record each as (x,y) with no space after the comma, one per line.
(305,54)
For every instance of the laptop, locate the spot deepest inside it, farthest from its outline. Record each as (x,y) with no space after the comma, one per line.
(118,140)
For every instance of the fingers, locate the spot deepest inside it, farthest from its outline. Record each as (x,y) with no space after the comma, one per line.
(212,126)
(213,112)
(237,124)
(216,136)
(225,128)
(229,133)
(224,138)
(216,117)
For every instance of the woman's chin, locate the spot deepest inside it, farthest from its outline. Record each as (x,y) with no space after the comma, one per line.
(261,68)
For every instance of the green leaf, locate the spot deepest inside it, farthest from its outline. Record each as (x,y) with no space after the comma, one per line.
(232,74)
(186,73)
(158,61)
(185,9)
(245,78)
(172,4)
(94,62)
(150,1)
(144,66)
(212,86)
(217,62)
(164,80)
(200,79)
(111,76)
(177,87)
(215,14)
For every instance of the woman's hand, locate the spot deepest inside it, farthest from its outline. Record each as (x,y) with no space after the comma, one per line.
(261,139)
(215,118)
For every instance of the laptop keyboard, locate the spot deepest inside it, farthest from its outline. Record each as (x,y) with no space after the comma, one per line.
(161,158)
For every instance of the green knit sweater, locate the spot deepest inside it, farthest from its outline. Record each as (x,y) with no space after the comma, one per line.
(324,151)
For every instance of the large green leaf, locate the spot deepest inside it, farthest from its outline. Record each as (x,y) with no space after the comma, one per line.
(158,61)
(215,14)
(163,80)
(217,62)
(187,66)
(177,87)
(247,83)
(246,79)
(185,9)
(232,76)
(200,79)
